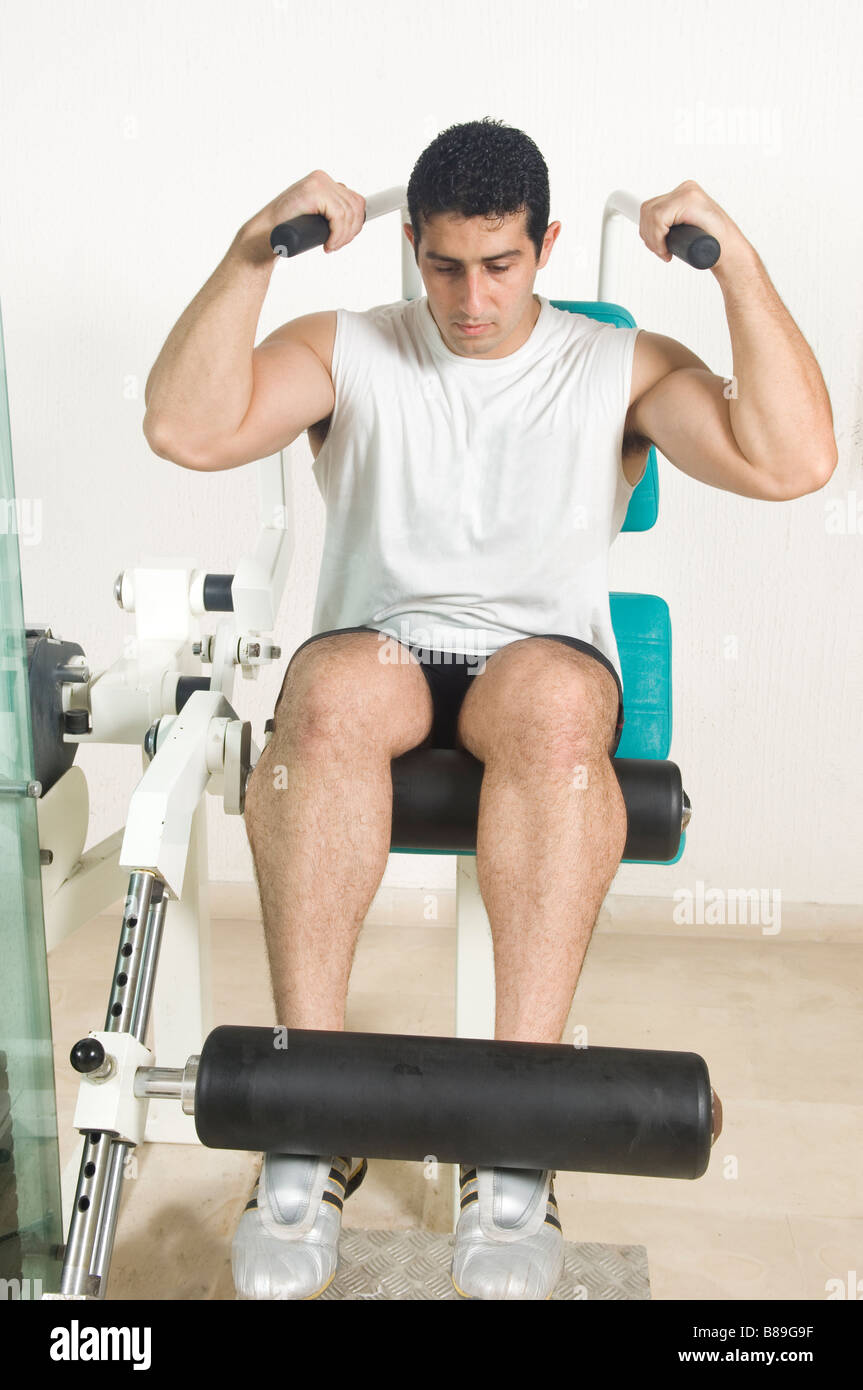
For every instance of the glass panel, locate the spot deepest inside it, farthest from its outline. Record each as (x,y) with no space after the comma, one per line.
(30,1210)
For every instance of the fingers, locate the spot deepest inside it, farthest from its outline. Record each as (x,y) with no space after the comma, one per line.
(652,228)
(346,219)
(660,214)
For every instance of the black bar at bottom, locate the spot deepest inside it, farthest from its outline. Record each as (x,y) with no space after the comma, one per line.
(462,1100)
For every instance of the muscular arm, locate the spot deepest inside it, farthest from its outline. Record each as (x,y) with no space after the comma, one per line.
(779,410)
(773,429)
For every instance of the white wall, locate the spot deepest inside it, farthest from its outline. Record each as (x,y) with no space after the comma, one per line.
(136,138)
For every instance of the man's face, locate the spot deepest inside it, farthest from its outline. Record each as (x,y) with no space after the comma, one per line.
(470,280)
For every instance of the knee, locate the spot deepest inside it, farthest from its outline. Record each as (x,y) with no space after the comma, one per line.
(318,715)
(562,708)
(350,695)
(323,699)
(554,723)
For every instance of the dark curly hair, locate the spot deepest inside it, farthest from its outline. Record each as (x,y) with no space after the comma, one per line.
(481,169)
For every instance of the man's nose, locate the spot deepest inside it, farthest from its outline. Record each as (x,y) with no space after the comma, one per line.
(473,295)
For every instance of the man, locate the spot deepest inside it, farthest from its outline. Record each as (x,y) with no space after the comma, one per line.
(476,450)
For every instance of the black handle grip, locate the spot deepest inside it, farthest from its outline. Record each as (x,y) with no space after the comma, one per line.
(692,245)
(689,243)
(300,234)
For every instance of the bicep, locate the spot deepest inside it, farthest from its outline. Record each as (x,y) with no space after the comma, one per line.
(686,415)
(291,391)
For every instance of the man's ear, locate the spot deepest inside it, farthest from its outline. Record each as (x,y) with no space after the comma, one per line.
(409,233)
(554,229)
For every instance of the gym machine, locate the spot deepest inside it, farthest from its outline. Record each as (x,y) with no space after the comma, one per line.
(390,1096)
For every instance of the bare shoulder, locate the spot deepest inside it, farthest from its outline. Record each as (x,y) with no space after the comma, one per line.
(654,357)
(317,331)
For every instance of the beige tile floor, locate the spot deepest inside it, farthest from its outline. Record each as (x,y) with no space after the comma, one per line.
(778,1019)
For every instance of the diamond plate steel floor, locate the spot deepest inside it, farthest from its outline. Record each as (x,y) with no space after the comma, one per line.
(416,1265)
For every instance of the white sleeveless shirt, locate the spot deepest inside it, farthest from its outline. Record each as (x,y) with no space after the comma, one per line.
(473,502)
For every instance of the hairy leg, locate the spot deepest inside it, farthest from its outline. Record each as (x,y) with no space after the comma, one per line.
(318,811)
(552,822)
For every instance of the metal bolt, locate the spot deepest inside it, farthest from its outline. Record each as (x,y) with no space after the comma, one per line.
(21,789)
(72,673)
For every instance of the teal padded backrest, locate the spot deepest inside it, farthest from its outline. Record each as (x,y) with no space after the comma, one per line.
(642,630)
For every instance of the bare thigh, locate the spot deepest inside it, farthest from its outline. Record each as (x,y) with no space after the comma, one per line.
(354,687)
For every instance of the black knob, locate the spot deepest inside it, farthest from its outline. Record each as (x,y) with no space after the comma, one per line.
(87,1055)
(76,721)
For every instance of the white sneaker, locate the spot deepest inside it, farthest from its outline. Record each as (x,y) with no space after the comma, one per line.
(286,1245)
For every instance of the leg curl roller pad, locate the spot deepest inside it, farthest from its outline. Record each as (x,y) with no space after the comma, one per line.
(497,1104)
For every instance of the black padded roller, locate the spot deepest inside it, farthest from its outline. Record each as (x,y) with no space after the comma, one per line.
(463,1100)
(436,803)
(653,792)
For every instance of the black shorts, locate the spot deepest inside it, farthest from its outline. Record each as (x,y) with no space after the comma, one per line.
(449,675)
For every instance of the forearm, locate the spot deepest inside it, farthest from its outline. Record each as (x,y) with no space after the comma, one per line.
(200,386)
(779,407)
